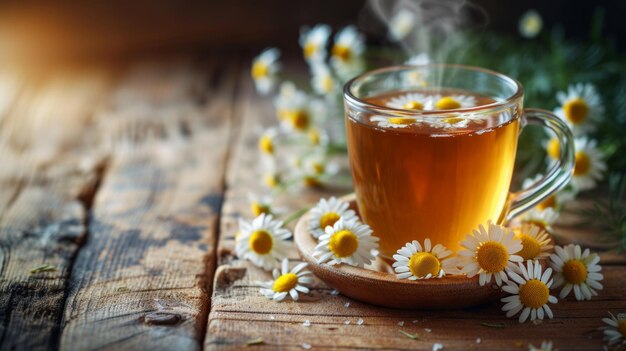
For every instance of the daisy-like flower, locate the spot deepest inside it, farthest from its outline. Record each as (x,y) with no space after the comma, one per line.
(316,168)
(530,24)
(260,204)
(580,108)
(293,108)
(413,102)
(489,253)
(589,165)
(541,218)
(453,102)
(346,52)
(266,141)
(401,25)
(545,346)
(459,121)
(264,70)
(393,122)
(263,242)
(555,201)
(416,262)
(615,330)
(535,242)
(349,242)
(322,79)
(530,291)
(576,270)
(327,213)
(313,42)
(287,282)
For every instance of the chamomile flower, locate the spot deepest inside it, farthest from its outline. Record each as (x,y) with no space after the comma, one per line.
(327,213)
(541,218)
(555,201)
(453,102)
(346,52)
(581,107)
(322,79)
(530,24)
(393,122)
(576,270)
(489,252)
(316,168)
(615,329)
(267,141)
(535,242)
(263,242)
(530,291)
(260,204)
(349,242)
(313,42)
(287,282)
(413,102)
(589,164)
(416,262)
(264,70)
(401,25)
(545,346)
(459,121)
(293,108)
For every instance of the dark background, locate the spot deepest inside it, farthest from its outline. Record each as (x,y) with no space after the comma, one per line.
(51,31)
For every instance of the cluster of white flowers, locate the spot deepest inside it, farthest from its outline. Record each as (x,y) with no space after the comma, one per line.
(581,109)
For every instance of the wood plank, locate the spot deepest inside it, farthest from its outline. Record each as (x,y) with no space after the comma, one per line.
(142,280)
(46,183)
(239,313)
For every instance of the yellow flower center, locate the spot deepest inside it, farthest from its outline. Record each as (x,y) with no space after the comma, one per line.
(343,243)
(549,202)
(314,137)
(423,263)
(271,180)
(328,219)
(260,242)
(492,256)
(582,165)
(318,167)
(621,326)
(342,52)
(258,208)
(532,24)
(309,50)
(574,272)
(285,282)
(543,225)
(401,120)
(259,70)
(311,182)
(299,119)
(530,247)
(452,120)
(534,293)
(266,145)
(447,103)
(413,105)
(554,149)
(576,110)
(328,84)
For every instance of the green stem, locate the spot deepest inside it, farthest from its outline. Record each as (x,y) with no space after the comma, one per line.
(295,215)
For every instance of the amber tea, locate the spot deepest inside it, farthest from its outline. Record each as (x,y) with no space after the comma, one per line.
(416,180)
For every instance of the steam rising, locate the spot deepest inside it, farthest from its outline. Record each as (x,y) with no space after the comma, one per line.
(438,28)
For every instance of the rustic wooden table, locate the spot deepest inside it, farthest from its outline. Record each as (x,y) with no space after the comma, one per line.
(124,186)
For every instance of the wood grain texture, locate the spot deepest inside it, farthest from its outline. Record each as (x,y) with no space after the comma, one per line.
(239,313)
(140,281)
(45,190)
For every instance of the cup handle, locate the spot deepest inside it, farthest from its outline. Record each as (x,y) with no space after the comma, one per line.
(558,175)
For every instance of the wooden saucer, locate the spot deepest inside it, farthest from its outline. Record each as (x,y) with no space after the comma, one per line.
(384,289)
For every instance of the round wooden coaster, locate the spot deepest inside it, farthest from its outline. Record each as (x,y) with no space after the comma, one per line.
(384,289)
